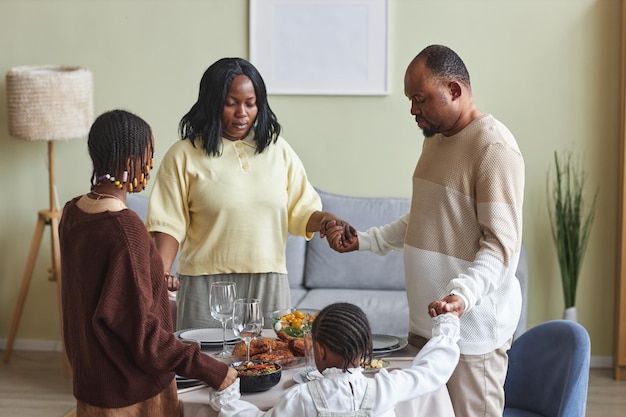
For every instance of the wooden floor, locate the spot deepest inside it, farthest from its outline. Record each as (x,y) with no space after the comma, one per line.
(32,384)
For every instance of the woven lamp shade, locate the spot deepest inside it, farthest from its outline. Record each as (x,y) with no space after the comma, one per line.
(47,103)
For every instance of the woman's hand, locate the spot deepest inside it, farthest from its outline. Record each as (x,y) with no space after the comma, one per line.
(341,236)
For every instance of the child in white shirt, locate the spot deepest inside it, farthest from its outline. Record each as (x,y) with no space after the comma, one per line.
(342,340)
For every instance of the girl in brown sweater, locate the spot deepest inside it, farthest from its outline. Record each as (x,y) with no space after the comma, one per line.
(116,320)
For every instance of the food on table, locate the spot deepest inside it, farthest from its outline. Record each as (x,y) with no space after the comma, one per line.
(297,347)
(373,364)
(372,367)
(293,323)
(268,350)
(281,357)
(255,368)
(262,345)
(257,376)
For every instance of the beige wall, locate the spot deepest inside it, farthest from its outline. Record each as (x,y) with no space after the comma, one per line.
(548,69)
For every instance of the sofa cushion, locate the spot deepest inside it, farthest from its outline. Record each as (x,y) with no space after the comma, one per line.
(326,268)
(387,311)
(297,295)
(295,254)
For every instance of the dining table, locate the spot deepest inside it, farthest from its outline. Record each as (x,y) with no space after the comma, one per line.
(194,401)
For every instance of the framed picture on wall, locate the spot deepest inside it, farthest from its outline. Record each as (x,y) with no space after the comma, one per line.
(324,47)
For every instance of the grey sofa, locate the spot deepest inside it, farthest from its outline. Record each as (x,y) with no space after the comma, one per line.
(319,276)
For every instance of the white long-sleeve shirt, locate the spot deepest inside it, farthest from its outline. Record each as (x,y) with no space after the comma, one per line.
(344,391)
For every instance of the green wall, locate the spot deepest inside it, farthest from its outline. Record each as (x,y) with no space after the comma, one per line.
(548,69)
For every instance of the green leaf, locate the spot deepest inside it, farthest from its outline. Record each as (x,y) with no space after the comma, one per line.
(570,223)
(293,332)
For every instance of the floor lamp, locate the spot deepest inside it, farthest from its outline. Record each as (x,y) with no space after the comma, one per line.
(47,103)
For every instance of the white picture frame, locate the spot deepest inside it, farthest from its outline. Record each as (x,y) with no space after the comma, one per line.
(321,47)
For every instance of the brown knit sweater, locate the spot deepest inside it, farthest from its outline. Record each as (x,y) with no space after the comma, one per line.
(116,321)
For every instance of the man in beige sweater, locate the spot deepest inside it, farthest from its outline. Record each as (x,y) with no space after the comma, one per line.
(462,237)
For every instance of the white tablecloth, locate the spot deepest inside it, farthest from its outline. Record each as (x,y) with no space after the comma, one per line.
(195,401)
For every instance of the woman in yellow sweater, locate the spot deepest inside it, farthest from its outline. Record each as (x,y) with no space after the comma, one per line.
(228,193)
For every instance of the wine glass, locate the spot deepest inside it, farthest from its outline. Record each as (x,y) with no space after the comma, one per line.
(222,297)
(247,320)
(310,367)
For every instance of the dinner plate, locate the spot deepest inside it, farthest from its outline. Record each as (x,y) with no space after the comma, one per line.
(182,382)
(207,336)
(402,343)
(303,377)
(383,341)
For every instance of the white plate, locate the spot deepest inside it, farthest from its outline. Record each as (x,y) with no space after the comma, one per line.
(383,341)
(207,336)
(402,343)
(303,377)
(182,382)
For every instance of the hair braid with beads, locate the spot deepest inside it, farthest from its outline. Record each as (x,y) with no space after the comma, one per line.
(117,140)
(345,330)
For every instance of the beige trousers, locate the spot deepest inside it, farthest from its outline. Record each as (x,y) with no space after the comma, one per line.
(476,387)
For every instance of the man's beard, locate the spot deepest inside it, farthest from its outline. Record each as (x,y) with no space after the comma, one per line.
(432,131)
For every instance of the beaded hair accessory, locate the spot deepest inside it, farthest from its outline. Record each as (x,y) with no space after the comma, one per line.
(130,185)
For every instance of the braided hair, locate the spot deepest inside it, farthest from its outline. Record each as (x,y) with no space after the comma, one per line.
(344,329)
(204,119)
(117,141)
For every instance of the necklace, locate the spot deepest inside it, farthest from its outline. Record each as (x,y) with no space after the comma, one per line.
(97,196)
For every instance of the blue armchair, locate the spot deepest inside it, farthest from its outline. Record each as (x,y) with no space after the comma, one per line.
(548,372)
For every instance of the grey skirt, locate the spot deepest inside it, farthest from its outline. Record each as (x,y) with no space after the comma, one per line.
(192,299)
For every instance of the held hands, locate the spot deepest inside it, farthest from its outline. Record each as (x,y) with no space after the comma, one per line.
(341,236)
(173,284)
(449,304)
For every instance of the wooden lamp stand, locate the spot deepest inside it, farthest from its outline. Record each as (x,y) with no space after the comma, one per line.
(47,103)
(50,218)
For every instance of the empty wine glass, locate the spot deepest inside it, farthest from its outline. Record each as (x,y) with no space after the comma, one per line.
(247,320)
(309,355)
(222,297)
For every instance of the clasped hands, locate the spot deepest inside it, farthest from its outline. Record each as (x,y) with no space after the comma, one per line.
(448,304)
(173,284)
(341,236)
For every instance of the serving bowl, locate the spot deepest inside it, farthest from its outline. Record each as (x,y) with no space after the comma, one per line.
(292,323)
(257,376)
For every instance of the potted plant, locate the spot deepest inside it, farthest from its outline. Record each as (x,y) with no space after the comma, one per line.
(570,221)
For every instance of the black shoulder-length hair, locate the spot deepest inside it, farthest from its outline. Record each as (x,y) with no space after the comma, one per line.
(205,117)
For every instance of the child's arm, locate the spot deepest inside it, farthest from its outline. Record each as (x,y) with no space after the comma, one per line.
(439,357)
(431,368)
(229,403)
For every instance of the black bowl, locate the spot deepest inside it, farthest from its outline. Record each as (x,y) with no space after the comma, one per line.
(258,383)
